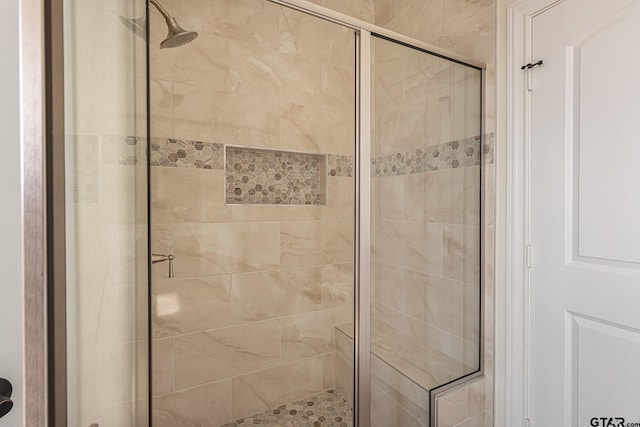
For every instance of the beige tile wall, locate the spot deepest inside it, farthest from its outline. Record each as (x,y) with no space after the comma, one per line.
(248,322)
(463,26)
(464,406)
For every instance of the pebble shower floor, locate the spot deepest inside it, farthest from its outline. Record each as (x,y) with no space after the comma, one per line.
(324,409)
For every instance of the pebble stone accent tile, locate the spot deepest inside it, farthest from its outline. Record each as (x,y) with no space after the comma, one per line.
(324,409)
(450,155)
(340,165)
(257,176)
(183,153)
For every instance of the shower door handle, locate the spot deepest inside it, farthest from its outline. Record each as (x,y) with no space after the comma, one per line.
(5,397)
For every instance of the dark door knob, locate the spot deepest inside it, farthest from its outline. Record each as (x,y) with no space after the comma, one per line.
(5,397)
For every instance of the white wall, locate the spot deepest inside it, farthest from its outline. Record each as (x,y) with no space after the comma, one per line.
(10,216)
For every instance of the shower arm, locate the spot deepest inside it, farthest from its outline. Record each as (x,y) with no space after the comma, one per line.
(161,9)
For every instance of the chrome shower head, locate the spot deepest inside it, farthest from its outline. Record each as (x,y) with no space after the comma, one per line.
(177,35)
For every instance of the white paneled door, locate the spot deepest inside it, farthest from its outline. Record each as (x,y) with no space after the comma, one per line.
(585,215)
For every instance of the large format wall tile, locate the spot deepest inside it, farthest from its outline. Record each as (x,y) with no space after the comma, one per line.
(310,334)
(420,19)
(383,408)
(408,394)
(204,62)
(337,285)
(300,244)
(248,213)
(429,298)
(389,289)
(270,294)
(162,365)
(299,36)
(222,353)
(466,311)
(191,305)
(336,238)
(313,128)
(254,21)
(340,198)
(461,252)
(262,390)
(344,365)
(329,371)
(161,107)
(273,75)
(188,195)
(207,405)
(204,114)
(221,248)
(361,9)
(413,245)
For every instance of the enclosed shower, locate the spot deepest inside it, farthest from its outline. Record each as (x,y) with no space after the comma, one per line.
(307,201)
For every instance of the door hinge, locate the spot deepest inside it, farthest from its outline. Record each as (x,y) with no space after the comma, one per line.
(528,255)
(527,423)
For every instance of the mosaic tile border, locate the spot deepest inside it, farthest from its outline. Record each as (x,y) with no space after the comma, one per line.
(184,153)
(274,177)
(340,165)
(449,155)
(173,152)
(123,150)
(324,409)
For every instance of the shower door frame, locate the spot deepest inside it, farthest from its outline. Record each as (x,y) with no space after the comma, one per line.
(362,231)
(44,266)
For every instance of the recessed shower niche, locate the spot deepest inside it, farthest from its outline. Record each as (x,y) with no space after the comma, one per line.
(273,177)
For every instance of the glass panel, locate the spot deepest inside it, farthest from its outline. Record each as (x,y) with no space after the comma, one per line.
(425,227)
(106,213)
(259,311)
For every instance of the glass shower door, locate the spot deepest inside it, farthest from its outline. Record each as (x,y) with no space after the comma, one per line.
(252,192)
(105,111)
(425,228)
